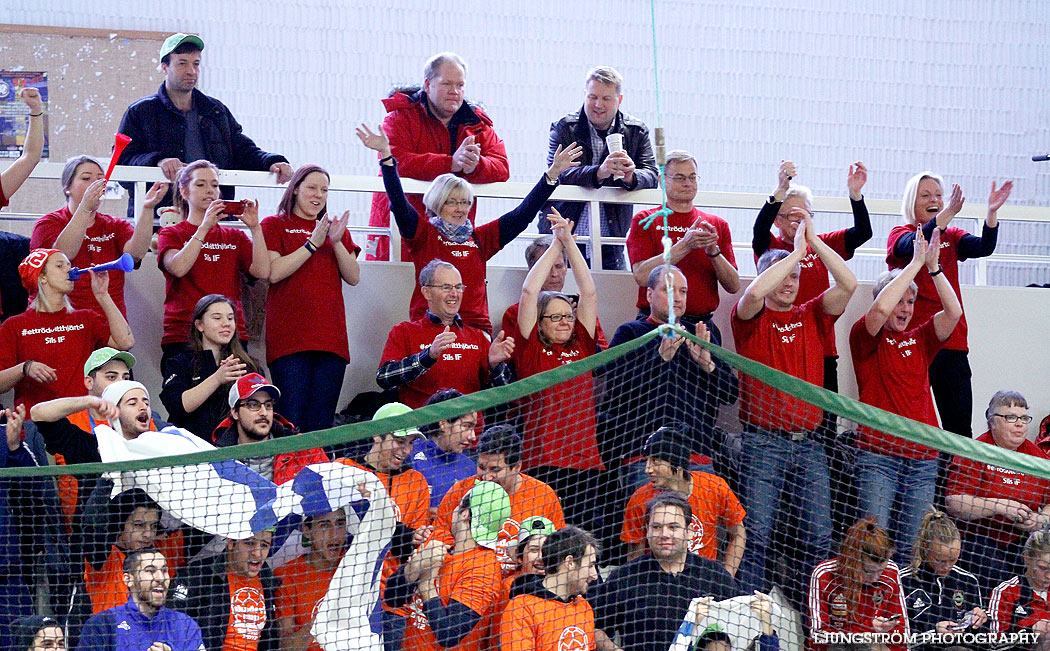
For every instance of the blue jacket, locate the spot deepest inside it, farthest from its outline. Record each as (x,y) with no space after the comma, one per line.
(158,130)
(125,628)
(442,469)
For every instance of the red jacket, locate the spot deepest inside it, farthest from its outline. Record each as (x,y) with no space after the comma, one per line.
(1014,607)
(285,464)
(423,149)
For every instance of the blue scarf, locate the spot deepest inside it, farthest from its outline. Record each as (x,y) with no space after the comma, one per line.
(451,232)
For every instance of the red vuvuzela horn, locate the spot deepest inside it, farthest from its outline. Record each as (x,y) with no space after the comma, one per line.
(120,141)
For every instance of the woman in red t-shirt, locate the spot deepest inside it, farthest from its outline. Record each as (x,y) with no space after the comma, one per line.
(90,237)
(560,443)
(311,256)
(43,350)
(199,256)
(997,507)
(923,205)
(446,232)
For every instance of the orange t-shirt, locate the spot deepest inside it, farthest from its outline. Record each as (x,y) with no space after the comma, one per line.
(247,613)
(302,588)
(713,503)
(473,578)
(105,586)
(410,493)
(533,497)
(532,623)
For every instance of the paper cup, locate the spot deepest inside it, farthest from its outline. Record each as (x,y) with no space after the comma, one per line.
(614,141)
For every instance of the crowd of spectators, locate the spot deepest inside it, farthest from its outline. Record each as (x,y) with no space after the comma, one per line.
(499,536)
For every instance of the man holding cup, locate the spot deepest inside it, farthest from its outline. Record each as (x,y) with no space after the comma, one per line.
(616,153)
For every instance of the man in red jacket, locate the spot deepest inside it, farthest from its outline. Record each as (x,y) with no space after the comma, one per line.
(433,131)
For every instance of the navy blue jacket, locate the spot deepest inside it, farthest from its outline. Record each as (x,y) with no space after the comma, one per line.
(158,130)
(125,628)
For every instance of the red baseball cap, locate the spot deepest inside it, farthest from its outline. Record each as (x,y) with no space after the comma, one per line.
(248,385)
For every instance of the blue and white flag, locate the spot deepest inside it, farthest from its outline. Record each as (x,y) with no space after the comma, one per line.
(225,498)
(349,615)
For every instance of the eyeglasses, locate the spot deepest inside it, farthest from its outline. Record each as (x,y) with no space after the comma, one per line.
(1012,418)
(452,203)
(558,318)
(448,289)
(255,405)
(682,178)
(793,216)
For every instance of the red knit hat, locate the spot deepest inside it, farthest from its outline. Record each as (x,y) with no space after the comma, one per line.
(32,266)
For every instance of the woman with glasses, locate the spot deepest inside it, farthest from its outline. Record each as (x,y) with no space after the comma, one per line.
(447,234)
(923,205)
(311,256)
(197,385)
(996,507)
(858,591)
(560,445)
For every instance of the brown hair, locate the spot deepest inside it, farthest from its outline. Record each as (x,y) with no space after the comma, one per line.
(287,204)
(196,339)
(542,302)
(183,180)
(936,527)
(864,541)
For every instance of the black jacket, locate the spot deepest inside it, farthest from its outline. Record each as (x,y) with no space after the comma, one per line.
(157,130)
(202,591)
(931,598)
(574,127)
(185,371)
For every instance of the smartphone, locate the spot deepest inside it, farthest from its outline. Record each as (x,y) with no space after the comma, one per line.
(233,207)
(964,624)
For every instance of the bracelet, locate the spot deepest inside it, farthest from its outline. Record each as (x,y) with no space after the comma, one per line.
(36,115)
(309,246)
(386,158)
(715,254)
(194,237)
(550,181)
(939,271)
(26,365)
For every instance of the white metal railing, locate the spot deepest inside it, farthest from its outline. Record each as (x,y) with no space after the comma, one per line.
(737,200)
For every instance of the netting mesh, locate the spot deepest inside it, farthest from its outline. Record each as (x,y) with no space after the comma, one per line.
(796,533)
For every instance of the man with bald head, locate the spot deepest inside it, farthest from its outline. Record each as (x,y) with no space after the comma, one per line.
(433,130)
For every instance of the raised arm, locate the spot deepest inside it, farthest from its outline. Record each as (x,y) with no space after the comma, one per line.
(944,322)
(514,223)
(890,296)
(835,298)
(17,173)
(59,408)
(587,310)
(860,232)
(760,235)
(71,238)
(528,310)
(139,243)
(178,263)
(120,336)
(345,258)
(404,214)
(971,246)
(902,248)
(260,267)
(751,303)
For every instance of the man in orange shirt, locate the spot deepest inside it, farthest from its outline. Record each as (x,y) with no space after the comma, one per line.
(232,596)
(499,461)
(551,614)
(454,592)
(409,491)
(713,502)
(304,581)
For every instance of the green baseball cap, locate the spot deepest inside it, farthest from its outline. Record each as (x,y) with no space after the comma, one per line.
(489,509)
(396,409)
(105,355)
(536,525)
(175,40)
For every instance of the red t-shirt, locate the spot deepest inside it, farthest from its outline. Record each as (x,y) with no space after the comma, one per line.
(225,255)
(792,342)
(831,612)
(302,589)
(928,303)
(644,243)
(469,258)
(533,497)
(509,325)
(893,374)
(473,579)
(463,366)
(62,340)
(813,278)
(969,477)
(314,291)
(103,242)
(247,613)
(713,504)
(560,425)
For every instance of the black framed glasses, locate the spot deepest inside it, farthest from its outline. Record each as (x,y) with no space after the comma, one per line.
(1013,418)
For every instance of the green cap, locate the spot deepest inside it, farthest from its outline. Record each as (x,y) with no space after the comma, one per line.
(536,525)
(175,40)
(104,356)
(489,509)
(396,409)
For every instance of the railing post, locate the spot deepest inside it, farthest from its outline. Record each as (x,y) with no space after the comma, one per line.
(140,198)
(595,217)
(395,242)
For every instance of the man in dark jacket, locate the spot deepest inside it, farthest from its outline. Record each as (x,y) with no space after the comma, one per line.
(434,131)
(633,167)
(179,124)
(254,418)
